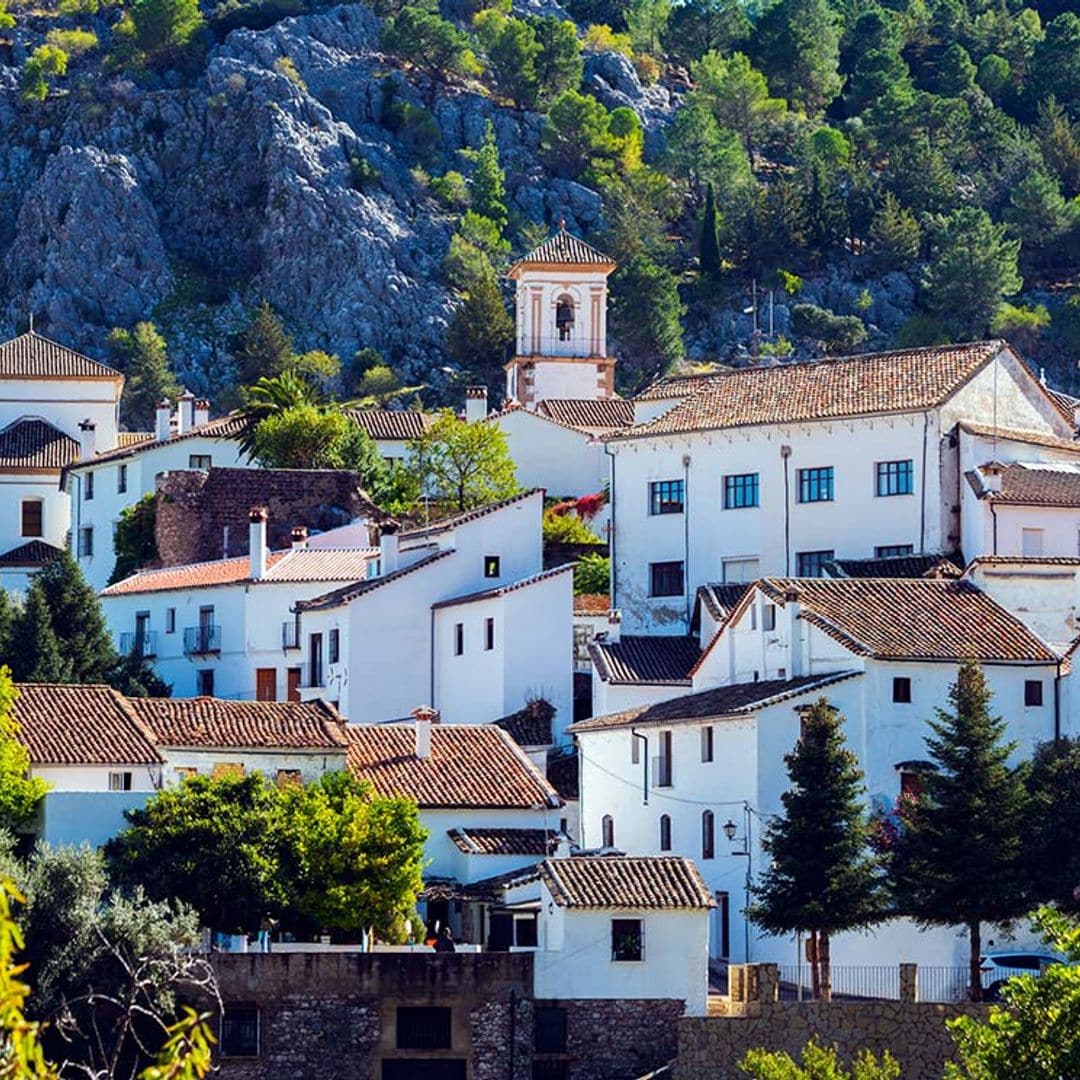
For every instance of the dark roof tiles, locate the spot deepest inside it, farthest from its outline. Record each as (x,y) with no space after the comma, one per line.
(538,842)
(31,443)
(645,659)
(619,882)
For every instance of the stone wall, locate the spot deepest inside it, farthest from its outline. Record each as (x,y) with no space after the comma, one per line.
(204,515)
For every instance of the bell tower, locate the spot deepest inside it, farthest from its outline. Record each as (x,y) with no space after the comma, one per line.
(561,326)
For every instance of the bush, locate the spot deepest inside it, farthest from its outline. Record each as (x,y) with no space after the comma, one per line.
(284,65)
(834,332)
(362,173)
(603,39)
(161,27)
(44,61)
(451,189)
(562,527)
(592,574)
(75,43)
(647,67)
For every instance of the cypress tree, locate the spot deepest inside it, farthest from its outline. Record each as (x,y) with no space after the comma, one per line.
(959,857)
(822,878)
(7,621)
(489,181)
(710,240)
(35,654)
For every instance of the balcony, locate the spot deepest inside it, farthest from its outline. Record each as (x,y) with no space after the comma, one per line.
(290,635)
(202,640)
(536,349)
(139,643)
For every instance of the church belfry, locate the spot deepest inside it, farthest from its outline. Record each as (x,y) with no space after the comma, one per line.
(561,324)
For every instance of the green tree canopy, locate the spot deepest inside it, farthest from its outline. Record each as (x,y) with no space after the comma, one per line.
(799,43)
(265,349)
(510,51)
(20,794)
(559,64)
(738,97)
(488,189)
(43,62)
(148,379)
(164,26)
(34,651)
(430,44)
(646,312)
(1051,854)
(135,540)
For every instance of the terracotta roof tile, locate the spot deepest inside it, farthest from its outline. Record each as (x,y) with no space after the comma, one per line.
(302,564)
(901,566)
(249,725)
(1024,560)
(531,725)
(721,597)
(564,247)
(601,413)
(224,427)
(912,618)
(672,387)
(31,443)
(392,424)
(468,515)
(32,553)
(1048,483)
(645,659)
(66,724)
(1021,435)
(470,765)
(739,699)
(31,356)
(502,590)
(347,593)
(539,842)
(132,438)
(620,882)
(851,386)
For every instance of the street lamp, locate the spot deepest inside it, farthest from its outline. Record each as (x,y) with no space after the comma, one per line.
(730,829)
(731,832)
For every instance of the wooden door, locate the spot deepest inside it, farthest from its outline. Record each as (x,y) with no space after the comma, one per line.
(292,679)
(266,684)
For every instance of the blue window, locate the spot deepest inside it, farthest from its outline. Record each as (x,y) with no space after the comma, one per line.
(816,485)
(895,477)
(812,563)
(666,497)
(740,490)
(892,551)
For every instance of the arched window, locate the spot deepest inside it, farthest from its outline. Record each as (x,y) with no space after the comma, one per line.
(708,835)
(607,831)
(564,317)
(665,832)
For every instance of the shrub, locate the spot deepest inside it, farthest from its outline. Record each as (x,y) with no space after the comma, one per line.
(647,67)
(592,574)
(603,39)
(75,43)
(284,65)
(834,332)
(451,189)
(362,173)
(44,61)
(560,527)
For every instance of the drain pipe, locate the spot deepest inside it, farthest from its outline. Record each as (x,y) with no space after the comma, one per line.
(611,524)
(785,453)
(644,767)
(686,536)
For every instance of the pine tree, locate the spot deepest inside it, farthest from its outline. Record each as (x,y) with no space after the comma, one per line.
(147,376)
(481,330)
(77,621)
(489,181)
(34,651)
(266,349)
(7,621)
(822,878)
(710,241)
(958,858)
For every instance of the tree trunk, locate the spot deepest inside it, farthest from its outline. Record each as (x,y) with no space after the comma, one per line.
(825,960)
(815,971)
(975,961)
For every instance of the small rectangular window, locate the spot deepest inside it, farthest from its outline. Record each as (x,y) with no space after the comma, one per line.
(627,941)
(741,491)
(239,1032)
(491,566)
(459,639)
(911,784)
(1033,693)
(170,620)
(707,743)
(666,497)
(812,563)
(895,478)
(199,461)
(1031,543)
(88,489)
(666,579)
(32,524)
(423,1027)
(489,634)
(121,479)
(119,781)
(901,690)
(892,551)
(550,1029)
(86,541)
(816,485)
(289,778)
(768,617)
(333,646)
(740,571)
(204,682)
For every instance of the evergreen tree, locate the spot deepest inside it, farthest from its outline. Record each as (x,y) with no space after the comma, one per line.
(489,181)
(481,330)
(703,152)
(511,49)
(710,242)
(559,65)
(162,26)
(959,857)
(148,379)
(265,350)
(34,651)
(1043,219)
(800,49)
(895,235)
(738,97)
(646,313)
(1051,853)
(429,43)
(8,614)
(822,878)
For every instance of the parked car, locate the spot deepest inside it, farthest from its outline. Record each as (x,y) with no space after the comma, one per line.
(997,967)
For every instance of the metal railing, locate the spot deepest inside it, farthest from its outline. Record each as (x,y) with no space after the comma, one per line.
(139,643)
(201,640)
(290,635)
(875,982)
(538,348)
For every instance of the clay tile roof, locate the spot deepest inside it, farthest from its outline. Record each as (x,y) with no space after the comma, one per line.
(502,590)
(900,566)
(564,248)
(606,413)
(392,424)
(851,386)
(739,699)
(1048,483)
(31,356)
(302,564)
(32,553)
(446,524)
(132,443)
(562,773)
(1020,435)
(668,882)
(348,593)
(66,724)
(720,598)
(912,619)
(592,604)
(539,842)
(530,725)
(249,725)
(133,438)
(670,387)
(645,659)
(31,443)
(470,765)
(1025,560)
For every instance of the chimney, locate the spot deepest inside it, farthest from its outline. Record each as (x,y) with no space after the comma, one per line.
(388,546)
(424,717)
(795,632)
(202,412)
(614,626)
(476,406)
(186,412)
(257,543)
(163,420)
(298,536)
(87,440)
(1076,416)
(993,477)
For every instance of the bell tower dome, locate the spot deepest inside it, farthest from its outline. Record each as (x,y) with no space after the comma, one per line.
(561,326)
